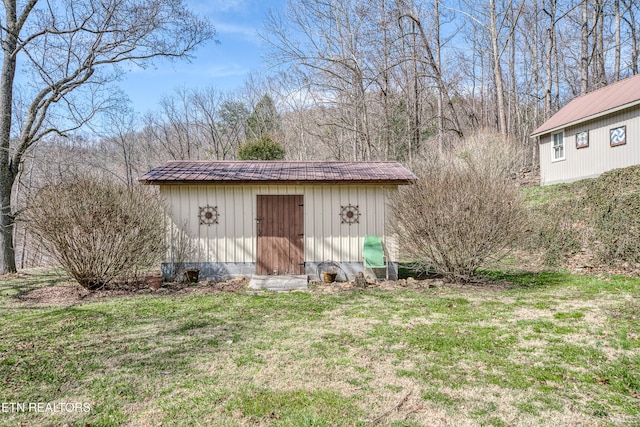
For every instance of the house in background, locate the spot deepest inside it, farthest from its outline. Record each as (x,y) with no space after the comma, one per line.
(277,217)
(592,134)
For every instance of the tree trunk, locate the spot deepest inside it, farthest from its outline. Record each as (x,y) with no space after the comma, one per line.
(551,48)
(634,49)
(497,72)
(7,175)
(440,112)
(631,22)
(430,59)
(537,82)
(616,64)
(584,50)
(385,81)
(415,106)
(598,24)
(8,259)
(634,37)
(513,110)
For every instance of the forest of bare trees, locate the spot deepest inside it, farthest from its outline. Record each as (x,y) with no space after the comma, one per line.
(361,80)
(388,79)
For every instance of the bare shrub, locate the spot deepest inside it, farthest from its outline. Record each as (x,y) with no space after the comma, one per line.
(98,230)
(498,158)
(182,249)
(459,216)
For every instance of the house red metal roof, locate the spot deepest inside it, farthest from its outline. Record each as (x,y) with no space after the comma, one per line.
(614,97)
(277,172)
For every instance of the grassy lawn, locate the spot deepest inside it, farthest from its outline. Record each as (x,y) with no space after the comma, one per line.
(547,349)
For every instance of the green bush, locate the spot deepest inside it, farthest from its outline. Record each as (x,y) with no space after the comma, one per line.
(261,149)
(616,237)
(599,216)
(98,230)
(554,231)
(613,204)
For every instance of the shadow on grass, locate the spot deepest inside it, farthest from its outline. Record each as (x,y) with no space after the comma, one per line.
(15,286)
(508,279)
(415,270)
(525,280)
(115,352)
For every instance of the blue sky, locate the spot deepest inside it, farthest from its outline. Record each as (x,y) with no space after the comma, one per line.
(223,66)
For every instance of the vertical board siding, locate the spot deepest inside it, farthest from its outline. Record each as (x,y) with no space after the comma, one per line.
(233,239)
(599,156)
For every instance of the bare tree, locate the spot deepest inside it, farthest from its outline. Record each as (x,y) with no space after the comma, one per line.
(119,141)
(551,55)
(70,49)
(434,63)
(199,123)
(599,77)
(206,105)
(324,41)
(629,17)
(497,23)
(386,91)
(497,66)
(618,41)
(584,51)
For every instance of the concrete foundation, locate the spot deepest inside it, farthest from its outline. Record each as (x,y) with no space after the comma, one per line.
(348,271)
(279,283)
(219,271)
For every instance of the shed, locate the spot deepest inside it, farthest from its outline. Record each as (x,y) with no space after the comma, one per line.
(592,134)
(276,217)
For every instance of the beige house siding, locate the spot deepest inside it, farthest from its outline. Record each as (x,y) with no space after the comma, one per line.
(599,156)
(233,239)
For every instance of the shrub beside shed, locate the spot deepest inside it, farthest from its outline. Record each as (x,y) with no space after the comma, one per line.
(276,217)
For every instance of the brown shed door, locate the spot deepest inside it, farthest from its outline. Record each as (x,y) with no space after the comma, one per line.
(280,234)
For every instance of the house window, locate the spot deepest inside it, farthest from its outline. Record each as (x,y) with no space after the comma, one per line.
(618,136)
(582,139)
(557,150)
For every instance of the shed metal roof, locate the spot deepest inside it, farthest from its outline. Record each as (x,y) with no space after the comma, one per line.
(614,97)
(277,172)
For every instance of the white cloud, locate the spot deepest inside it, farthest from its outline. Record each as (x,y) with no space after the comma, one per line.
(247,32)
(207,7)
(212,71)
(202,70)
(223,71)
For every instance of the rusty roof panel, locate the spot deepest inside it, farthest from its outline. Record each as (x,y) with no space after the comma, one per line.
(283,172)
(619,95)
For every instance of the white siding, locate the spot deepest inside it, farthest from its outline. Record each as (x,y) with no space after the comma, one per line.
(326,238)
(599,156)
